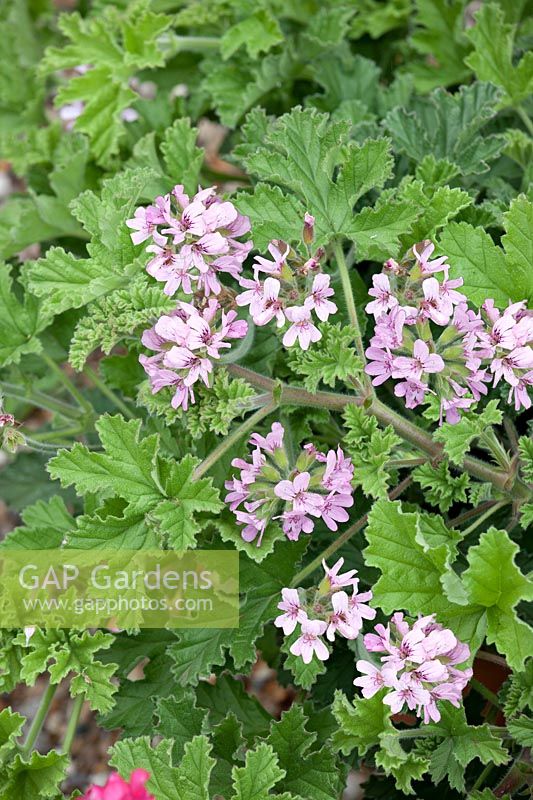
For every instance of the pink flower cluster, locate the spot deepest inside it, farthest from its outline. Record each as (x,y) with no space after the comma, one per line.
(118,789)
(326,610)
(185,342)
(419,666)
(269,487)
(192,241)
(294,289)
(473,349)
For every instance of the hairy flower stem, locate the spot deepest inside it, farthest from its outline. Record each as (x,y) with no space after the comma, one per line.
(248,425)
(60,433)
(488,513)
(67,383)
(70,733)
(102,387)
(41,400)
(482,777)
(481,689)
(350,302)
(489,440)
(38,720)
(193,44)
(424,733)
(524,116)
(345,536)
(411,433)
(472,512)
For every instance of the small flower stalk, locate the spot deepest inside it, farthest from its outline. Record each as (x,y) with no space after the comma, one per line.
(420,665)
(295,292)
(428,340)
(269,487)
(324,611)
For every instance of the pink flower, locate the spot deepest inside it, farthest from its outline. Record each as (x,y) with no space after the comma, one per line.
(417,665)
(519,358)
(219,215)
(310,643)
(437,306)
(381,364)
(294,612)
(272,441)
(520,392)
(333,509)
(142,223)
(253,296)
(197,368)
(388,331)
(318,301)
(372,680)
(405,692)
(279,252)
(294,523)
(336,581)
(452,407)
(254,527)
(118,789)
(302,328)
(341,619)
(422,362)
(384,298)
(295,492)
(239,492)
(338,474)
(412,391)
(191,222)
(359,608)
(429,267)
(271,306)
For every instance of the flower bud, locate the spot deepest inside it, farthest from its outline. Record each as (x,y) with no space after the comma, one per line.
(12,440)
(309,228)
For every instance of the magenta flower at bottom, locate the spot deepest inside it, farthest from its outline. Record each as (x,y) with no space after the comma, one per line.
(117,788)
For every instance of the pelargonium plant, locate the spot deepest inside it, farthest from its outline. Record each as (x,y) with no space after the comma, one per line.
(265,292)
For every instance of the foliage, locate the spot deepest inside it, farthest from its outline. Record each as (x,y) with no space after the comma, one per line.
(391,123)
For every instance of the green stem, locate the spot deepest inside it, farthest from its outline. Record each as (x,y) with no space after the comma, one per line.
(423,441)
(61,433)
(42,447)
(39,718)
(387,416)
(233,438)
(488,513)
(41,400)
(525,119)
(102,387)
(190,44)
(344,537)
(399,463)
(348,296)
(482,777)
(67,383)
(70,733)
(489,439)
(481,689)
(415,733)
(472,512)
(423,733)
